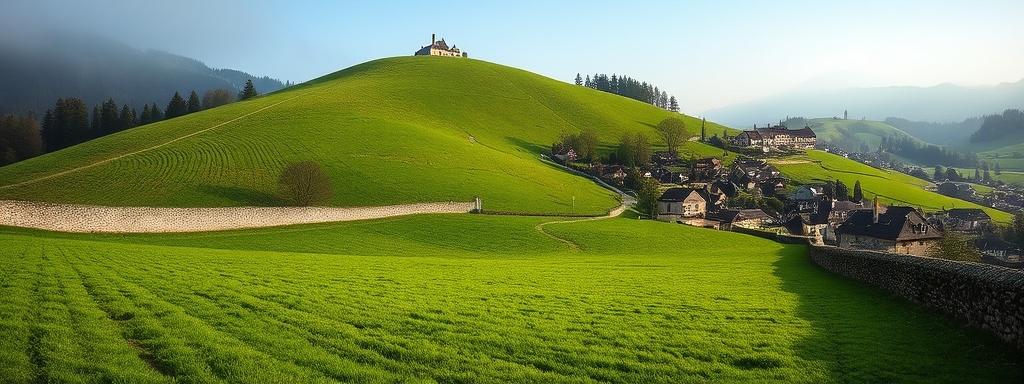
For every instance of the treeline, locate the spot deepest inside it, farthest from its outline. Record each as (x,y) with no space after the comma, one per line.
(631,88)
(908,148)
(999,125)
(938,133)
(69,122)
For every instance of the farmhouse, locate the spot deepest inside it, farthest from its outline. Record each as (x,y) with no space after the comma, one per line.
(806,197)
(777,137)
(897,230)
(679,203)
(440,48)
(967,220)
(746,218)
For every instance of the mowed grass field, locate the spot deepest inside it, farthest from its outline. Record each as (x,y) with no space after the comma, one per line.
(391,131)
(891,187)
(461,298)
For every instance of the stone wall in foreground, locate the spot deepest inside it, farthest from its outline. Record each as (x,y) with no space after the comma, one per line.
(984,296)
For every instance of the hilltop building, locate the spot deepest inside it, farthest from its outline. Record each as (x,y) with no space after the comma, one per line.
(440,48)
(777,137)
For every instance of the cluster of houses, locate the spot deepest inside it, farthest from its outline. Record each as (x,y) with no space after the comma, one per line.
(704,199)
(776,137)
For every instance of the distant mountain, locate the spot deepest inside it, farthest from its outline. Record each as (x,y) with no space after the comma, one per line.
(36,71)
(941,103)
(946,133)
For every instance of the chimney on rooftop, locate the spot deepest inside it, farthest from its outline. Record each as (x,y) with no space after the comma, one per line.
(433,38)
(874,211)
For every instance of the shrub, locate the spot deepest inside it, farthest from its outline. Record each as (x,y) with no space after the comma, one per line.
(305,183)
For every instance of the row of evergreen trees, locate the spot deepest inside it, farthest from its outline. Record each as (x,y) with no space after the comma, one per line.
(631,88)
(69,121)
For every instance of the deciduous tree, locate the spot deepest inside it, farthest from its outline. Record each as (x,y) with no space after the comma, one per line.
(673,131)
(217,97)
(647,198)
(304,183)
(955,247)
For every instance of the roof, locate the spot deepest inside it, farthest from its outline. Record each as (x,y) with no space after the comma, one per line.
(897,223)
(995,245)
(804,132)
(679,194)
(734,215)
(843,206)
(968,214)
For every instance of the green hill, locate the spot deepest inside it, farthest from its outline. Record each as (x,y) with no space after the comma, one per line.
(390,131)
(853,135)
(890,186)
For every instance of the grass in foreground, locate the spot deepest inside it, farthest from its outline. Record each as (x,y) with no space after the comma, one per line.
(498,303)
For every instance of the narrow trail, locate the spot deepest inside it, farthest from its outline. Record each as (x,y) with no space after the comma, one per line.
(626,203)
(100,219)
(104,161)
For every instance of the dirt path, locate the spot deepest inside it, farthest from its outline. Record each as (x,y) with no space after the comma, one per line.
(626,203)
(91,218)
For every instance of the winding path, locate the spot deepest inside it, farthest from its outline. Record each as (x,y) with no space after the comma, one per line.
(101,219)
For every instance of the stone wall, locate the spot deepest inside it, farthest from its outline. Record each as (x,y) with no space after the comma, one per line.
(984,296)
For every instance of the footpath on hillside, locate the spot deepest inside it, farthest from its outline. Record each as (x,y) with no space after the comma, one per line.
(102,219)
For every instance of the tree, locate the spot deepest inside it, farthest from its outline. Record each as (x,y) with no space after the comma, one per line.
(998,172)
(955,247)
(110,119)
(66,124)
(217,97)
(953,175)
(176,107)
(128,118)
(842,192)
(1017,228)
(858,195)
(647,198)
(304,183)
(673,104)
(587,145)
(641,150)
(193,103)
(155,114)
(940,173)
(830,190)
(627,147)
(673,131)
(145,118)
(20,138)
(248,92)
(703,130)
(579,80)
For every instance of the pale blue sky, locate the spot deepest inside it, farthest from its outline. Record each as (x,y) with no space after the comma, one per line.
(709,54)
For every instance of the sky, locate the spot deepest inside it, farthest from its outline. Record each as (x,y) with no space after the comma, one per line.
(708,54)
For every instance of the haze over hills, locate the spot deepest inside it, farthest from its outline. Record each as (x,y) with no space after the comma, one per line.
(389,131)
(941,103)
(38,69)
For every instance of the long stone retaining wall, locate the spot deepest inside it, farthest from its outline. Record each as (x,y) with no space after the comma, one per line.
(985,296)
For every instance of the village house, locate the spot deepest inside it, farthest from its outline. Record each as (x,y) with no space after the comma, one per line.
(806,197)
(706,169)
(777,137)
(746,218)
(897,230)
(751,174)
(440,48)
(677,204)
(998,249)
(967,220)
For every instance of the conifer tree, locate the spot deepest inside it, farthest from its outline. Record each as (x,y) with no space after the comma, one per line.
(842,192)
(194,105)
(579,80)
(144,118)
(673,104)
(96,125)
(248,92)
(110,119)
(155,114)
(176,107)
(858,194)
(128,118)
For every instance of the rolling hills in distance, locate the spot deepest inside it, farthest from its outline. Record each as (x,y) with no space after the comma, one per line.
(39,67)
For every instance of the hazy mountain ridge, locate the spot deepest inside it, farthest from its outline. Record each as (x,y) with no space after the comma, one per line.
(941,103)
(35,72)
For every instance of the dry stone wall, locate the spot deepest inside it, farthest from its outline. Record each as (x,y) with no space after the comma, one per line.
(985,296)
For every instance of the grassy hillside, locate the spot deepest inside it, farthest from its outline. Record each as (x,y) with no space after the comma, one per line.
(891,187)
(867,132)
(639,301)
(397,130)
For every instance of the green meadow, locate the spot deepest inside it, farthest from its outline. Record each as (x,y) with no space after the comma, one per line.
(390,131)
(890,186)
(461,298)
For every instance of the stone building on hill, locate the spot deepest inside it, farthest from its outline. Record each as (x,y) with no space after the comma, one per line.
(440,48)
(776,138)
